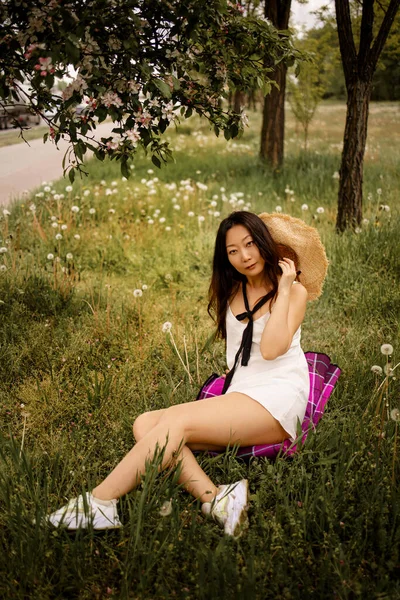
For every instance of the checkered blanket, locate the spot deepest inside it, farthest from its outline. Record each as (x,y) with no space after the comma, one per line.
(323,377)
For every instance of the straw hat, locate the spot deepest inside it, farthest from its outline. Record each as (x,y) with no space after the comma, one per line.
(309,257)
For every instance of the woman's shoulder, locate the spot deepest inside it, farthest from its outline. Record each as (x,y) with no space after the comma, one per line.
(298,291)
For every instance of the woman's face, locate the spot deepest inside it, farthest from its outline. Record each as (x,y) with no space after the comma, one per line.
(242,252)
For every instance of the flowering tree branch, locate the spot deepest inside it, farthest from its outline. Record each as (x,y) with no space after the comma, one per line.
(142,63)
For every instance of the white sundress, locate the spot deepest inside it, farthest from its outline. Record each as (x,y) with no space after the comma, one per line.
(281,385)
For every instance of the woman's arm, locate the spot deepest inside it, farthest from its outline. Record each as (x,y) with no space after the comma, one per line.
(287,314)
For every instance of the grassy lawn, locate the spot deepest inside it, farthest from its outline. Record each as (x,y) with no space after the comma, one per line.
(13,136)
(82,356)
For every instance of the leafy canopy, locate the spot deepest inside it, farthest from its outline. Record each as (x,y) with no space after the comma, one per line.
(142,63)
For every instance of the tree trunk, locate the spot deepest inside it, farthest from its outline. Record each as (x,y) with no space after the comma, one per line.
(351,169)
(273,126)
(238,101)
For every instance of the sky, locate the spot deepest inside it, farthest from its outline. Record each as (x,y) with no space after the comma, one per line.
(301,13)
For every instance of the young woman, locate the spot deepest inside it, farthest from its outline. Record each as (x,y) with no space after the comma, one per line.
(259,307)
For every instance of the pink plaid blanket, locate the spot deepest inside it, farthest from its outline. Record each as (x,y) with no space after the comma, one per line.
(323,377)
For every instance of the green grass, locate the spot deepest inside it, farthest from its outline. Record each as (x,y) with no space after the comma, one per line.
(13,136)
(81,357)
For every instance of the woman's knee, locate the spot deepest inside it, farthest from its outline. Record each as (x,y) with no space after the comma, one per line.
(145,422)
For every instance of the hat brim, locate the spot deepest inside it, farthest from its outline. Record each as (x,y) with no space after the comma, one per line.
(306,242)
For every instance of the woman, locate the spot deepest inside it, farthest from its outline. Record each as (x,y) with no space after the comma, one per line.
(259,312)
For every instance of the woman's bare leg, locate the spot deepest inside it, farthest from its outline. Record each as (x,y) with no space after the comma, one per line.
(192,476)
(223,420)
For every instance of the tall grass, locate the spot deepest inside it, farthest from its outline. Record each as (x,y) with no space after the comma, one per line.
(82,356)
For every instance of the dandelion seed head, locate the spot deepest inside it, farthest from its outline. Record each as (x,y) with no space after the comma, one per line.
(68,188)
(137,293)
(144,287)
(6,213)
(50,256)
(320,210)
(376,369)
(395,415)
(3,268)
(86,193)
(64,227)
(201,219)
(166,508)
(304,207)
(54,225)
(190,213)
(162,220)
(75,209)
(168,228)
(387,349)
(59,236)
(77,236)
(278,208)
(69,256)
(167,326)
(92,211)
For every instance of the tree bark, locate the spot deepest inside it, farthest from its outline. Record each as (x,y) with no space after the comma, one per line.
(238,101)
(351,169)
(273,127)
(358,71)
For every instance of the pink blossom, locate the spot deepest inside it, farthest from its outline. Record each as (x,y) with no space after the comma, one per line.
(111,98)
(43,73)
(133,135)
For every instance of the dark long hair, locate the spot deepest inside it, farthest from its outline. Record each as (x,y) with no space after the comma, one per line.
(225,279)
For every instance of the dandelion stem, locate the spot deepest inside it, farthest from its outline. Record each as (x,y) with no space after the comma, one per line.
(23,437)
(186,354)
(180,358)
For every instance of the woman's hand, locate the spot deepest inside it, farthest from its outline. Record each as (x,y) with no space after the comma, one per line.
(288,275)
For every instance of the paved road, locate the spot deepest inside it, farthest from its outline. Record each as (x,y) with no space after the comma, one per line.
(24,167)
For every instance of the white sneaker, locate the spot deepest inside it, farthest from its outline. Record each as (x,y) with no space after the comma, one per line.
(229,507)
(84,511)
